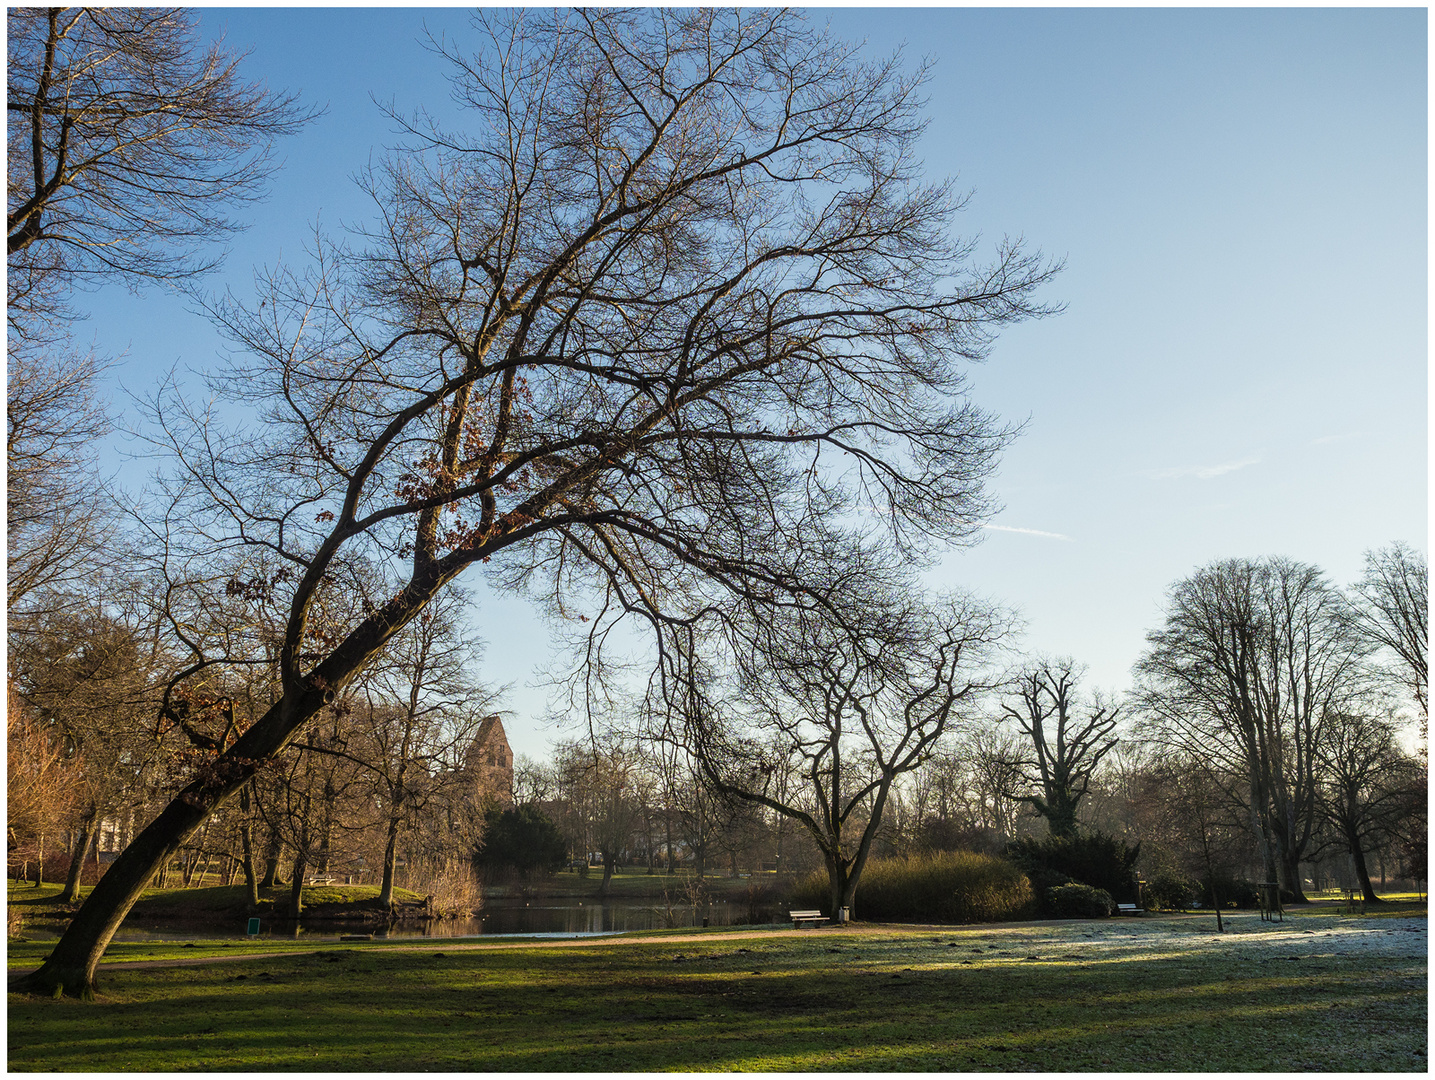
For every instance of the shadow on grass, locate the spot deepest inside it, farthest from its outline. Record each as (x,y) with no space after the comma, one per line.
(917,1003)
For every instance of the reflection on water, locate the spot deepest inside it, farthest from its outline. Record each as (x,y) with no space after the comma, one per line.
(551,917)
(575,917)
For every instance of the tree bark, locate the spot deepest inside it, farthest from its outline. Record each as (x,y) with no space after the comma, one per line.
(608,860)
(296,885)
(1362,870)
(391,858)
(71,966)
(87,831)
(246,842)
(273,851)
(1290,864)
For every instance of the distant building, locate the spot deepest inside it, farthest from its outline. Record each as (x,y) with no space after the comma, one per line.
(488,764)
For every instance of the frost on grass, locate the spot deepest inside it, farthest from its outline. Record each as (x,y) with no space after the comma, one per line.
(1246,937)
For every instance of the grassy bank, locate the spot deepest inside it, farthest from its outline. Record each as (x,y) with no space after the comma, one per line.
(41,905)
(1051,997)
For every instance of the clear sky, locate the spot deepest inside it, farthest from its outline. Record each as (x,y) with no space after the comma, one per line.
(1240,200)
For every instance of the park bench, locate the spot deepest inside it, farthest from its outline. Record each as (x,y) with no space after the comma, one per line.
(1127,909)
(800,917)
(320,879)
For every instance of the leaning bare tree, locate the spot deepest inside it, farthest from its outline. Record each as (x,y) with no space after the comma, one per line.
(680,293)
(1066,738)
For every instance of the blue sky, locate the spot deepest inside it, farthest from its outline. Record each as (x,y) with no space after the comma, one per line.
(1240,199)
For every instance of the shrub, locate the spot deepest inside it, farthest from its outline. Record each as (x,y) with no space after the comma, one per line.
(1169,890)
(521,839)
(1233,891)
(1077,901)
(1093,858)
(947,887)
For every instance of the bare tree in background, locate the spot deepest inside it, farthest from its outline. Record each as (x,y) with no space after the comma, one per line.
(90,678)
(423,710)
(1364,787)
(40,789)
(681,295)
(848,705)
(602,787)
(1253,658)
(1188,812)
(1391,611)
(1066,738)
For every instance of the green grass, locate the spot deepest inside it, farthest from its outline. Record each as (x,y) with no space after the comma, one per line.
(978,999)
(211,900)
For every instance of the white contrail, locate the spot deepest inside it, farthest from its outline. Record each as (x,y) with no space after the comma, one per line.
(1028,532)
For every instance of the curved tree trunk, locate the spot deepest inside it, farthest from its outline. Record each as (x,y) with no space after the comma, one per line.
(87,831)
(70,968)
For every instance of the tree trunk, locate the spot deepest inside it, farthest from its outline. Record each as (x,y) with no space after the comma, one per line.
(391,858)
(70,968)
(608,861)
(1291,867)
(87,830)
(841,889)
(273,851)
(296,884)
(1362,871)
(246,843)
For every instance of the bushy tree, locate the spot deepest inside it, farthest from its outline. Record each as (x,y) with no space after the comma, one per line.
(523,839)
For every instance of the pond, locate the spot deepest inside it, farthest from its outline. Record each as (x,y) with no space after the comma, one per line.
(543,917)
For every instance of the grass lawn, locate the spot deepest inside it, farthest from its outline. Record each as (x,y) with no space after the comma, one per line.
(1121,995)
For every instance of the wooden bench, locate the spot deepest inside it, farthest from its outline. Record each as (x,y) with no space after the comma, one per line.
(800,917)
(1127,909)
(320,879)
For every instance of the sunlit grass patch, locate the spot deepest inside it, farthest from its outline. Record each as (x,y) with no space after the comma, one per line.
(959,1000)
